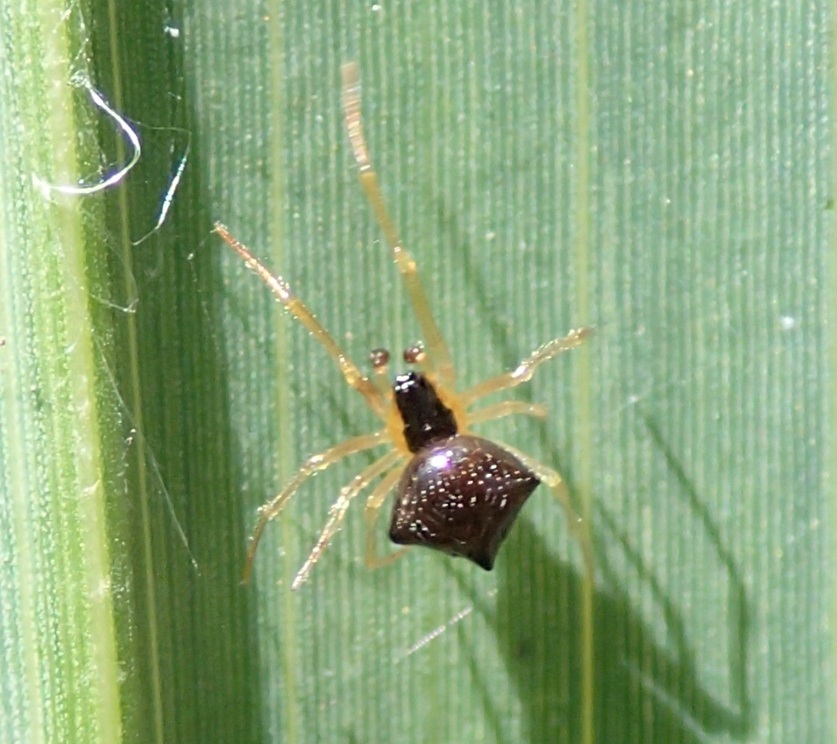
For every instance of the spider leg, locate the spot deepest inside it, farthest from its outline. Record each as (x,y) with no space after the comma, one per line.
(556,483)
(506,408)
(338,511)
(524,371)
(352,374)
(582,535)
(373,509)
(313,464)
(439,358)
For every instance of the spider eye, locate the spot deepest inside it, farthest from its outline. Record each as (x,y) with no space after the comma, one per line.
(378,358)
(415,354)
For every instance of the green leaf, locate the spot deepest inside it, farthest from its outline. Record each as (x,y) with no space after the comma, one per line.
(661,173)
(59,434)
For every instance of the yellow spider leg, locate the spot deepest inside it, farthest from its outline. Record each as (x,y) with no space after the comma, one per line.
(526,368)
(506,408)
(313,464)
(338,511)
(581,533)
(300,311)
(437,348)
(373,509)
(554,480)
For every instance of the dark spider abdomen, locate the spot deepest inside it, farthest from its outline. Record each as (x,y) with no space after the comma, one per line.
(460,495)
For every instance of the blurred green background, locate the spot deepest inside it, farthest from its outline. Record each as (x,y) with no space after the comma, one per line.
(660,172)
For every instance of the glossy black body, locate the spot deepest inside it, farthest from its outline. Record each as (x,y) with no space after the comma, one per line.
(426,419)
(459,494)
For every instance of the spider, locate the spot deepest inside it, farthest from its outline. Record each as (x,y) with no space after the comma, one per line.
(455,491)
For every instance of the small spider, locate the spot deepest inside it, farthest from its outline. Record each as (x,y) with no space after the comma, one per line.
(455,492)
